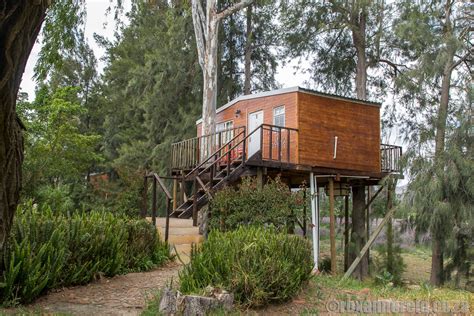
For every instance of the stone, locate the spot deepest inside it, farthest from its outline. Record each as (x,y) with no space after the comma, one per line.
(193,305)
(168,301)
(226,300)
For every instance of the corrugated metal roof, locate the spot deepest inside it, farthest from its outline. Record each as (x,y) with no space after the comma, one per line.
(289,90)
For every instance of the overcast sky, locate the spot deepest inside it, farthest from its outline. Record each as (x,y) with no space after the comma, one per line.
(96,16)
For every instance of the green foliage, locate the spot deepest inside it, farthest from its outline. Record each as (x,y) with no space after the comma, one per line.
(273,204)
(49,250)
(442,195)
(325,35)
(258,265)
(389,268)
(58,153)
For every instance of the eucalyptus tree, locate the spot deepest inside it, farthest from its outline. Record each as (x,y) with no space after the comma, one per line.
(435,39)
(206,20)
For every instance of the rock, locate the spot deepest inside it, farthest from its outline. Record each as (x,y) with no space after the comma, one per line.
(168,301)
(173,302)
(414,287)
(193,305)
(226,300)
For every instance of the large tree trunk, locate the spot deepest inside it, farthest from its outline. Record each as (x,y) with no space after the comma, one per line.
(210,85)
(20,22)
(248,52)
(206,27)
(358,235)
(437,249)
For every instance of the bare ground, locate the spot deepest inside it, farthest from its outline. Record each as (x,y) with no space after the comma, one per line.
(121,295)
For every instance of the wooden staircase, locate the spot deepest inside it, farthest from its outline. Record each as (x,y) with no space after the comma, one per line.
(223,167)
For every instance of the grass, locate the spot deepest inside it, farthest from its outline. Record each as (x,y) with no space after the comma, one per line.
(153,305)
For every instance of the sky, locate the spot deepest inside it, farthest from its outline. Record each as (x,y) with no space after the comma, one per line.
(95,20)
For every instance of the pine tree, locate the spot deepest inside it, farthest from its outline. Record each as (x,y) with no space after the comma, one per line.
(433,37)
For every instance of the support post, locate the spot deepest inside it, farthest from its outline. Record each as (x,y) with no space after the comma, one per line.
(153,210)
(167,223)
(367,225)
(304,212)
(183,194)
(332,226)
(314,220)
(346,232)
(175,193)
(195,209)
(144,202)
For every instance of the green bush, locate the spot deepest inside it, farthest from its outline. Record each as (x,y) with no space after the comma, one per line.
(271,205)
(258,265)
(48,250)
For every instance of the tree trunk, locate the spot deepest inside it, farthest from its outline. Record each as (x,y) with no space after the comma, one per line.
(358,19)
(210,85)
(358,238)
(20,23)
(248,52)
(358,234)
(390,257)
(437,252)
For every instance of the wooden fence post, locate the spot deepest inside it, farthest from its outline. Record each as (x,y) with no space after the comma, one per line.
(332,227)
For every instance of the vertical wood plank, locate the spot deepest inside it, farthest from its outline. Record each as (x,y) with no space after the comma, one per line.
(346,232)
(153,215)
(332,227)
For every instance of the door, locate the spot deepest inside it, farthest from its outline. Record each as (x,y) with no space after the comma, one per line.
(255,120)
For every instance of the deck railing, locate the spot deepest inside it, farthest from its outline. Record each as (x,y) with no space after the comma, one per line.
(278,144)
(189,153)
(390,158)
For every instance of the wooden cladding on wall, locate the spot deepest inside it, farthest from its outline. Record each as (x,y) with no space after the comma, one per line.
(319,120)
(356,125)
(266,104)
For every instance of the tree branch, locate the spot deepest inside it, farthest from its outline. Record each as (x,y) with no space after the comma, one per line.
(230,10)
(462,59)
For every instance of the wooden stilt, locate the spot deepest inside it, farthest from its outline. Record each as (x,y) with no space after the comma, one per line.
(144,202)
(175,194)
(304,212)
(367,217)
(332,226)
(346,232)
(153,207)
(195,208)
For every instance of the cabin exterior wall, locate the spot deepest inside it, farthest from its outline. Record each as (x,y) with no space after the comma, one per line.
(265,104)
(356,125)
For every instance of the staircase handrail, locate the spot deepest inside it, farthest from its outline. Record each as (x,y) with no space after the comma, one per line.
(213,154)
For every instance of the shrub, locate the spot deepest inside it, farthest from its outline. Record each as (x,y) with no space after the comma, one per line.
(258,265)
(272,205)
(48,250)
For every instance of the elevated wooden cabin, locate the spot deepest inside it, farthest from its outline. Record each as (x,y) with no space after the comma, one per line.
(301,127)
(289,132)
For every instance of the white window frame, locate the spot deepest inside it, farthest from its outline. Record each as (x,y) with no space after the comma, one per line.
(227,136)
(275,115)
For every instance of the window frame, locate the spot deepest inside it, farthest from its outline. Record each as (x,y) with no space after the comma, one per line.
(275,116)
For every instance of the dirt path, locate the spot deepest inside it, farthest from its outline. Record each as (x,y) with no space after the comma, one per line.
(120,295)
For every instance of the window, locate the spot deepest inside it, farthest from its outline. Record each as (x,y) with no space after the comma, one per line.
(228,135)
(279,116)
